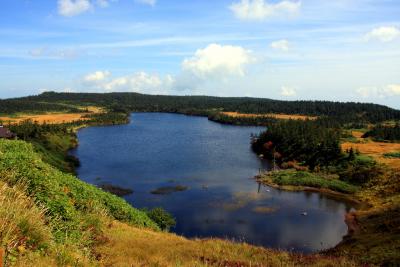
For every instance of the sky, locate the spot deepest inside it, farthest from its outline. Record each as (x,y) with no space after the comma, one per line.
(340,50)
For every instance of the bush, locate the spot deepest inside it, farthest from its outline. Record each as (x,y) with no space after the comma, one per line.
(162,218)
(359,171)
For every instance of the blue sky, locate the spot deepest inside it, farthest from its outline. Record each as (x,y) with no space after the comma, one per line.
(345,50)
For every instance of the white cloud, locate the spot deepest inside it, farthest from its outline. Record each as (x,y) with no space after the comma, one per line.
(288,91)
(102,3)
(282,45)
(147,2)
(381,92)
(97,76)
(383,34)
(393,89)
(70,8)
(261,9)
(136,82)
(218,60)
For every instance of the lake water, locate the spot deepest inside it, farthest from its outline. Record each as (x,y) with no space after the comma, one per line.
(216,164)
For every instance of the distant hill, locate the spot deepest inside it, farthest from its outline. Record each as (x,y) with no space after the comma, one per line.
(351,111)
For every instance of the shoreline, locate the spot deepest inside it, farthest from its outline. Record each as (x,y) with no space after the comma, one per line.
(349,198)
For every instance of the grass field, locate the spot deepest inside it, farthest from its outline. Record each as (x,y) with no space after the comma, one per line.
(52,118)
(277,116)
(376,150)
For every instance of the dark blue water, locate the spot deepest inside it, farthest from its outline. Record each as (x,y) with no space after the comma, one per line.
(217,165)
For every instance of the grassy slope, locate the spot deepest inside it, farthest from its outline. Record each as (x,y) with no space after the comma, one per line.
(53,149)
(130,246)
(75,211)
(50,218)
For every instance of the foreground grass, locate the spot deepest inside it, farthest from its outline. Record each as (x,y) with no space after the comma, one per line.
(130,246)
(51,213)
(305,179)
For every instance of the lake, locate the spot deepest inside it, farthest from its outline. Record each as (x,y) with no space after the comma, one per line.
(216,165)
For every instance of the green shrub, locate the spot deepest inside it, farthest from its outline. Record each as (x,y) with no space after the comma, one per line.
(359,171)
(162,218)
(392,155)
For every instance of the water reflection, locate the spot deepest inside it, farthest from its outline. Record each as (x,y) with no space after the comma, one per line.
(216,165)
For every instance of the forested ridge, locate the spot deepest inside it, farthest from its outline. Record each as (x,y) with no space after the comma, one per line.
(10,106)
(202,105)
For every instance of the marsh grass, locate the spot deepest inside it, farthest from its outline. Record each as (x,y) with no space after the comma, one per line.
(307,179)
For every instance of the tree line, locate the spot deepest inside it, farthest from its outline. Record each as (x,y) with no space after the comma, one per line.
(128,102)
(11,106)
(384,133)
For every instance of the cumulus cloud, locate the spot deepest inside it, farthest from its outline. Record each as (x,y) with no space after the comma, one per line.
(382,92)
(383,34)
(288,91)
(70,8)
(218,60)
(213,65)
(261,9)
(282,45)
(136,82)
(147,2)
(97,76)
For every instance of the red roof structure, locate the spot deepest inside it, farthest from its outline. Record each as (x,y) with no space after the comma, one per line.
(6,133)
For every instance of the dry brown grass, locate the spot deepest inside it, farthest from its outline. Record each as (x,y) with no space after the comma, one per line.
(129,246)
(22,223)
(52,118)
(357,134)
(277,116)
(376,150)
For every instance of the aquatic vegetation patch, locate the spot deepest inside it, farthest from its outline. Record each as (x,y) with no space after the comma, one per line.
(116,190)
(240,200)
(166,190)
(264,209)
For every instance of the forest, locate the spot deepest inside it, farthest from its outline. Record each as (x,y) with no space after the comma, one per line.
(307,142)
(202,105)
(384,133)
(11,106)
